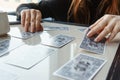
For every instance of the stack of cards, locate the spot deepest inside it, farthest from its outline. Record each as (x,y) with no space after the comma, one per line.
(82,67)
(58,40)
(90,45)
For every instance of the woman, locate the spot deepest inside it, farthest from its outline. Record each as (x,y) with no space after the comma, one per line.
(102,14)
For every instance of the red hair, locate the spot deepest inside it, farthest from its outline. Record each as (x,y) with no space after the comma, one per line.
(109,7)
(80,9)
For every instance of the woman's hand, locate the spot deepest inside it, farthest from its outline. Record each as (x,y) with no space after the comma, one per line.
(108,24)
(30,20)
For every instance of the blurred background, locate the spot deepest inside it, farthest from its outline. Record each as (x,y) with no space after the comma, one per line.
(11,5)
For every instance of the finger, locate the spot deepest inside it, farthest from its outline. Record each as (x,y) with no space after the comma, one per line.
(27,20)
(101,25)
(23,18)
(108,29)
(99,31)
(97,28)
(114,32)
(38,19)
(33,21)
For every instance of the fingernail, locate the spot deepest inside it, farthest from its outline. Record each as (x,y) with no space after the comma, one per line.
(89,34)
(96,40)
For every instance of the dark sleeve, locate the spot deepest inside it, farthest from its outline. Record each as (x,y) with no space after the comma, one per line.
(56,9)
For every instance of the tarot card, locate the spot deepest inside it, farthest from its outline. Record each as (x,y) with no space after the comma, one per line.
(90,45)
(26,35)
(49,28)
(8,43)
(4,46)
(58,41)
(82,67)
(18,33)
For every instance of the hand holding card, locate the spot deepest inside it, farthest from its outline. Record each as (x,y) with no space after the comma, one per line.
(90,45)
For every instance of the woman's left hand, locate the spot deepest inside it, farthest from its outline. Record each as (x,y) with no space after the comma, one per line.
(108,24)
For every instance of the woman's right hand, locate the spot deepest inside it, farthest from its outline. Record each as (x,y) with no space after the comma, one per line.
(30,20)
(108,25)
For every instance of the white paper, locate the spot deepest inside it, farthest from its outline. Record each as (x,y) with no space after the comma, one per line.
(28,56)
(4,75)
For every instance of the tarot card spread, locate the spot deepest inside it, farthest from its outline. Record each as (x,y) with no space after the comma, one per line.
(90,45)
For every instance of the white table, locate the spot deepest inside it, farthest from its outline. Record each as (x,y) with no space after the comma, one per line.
(44,69)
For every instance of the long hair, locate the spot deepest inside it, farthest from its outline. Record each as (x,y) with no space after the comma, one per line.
(80,9)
